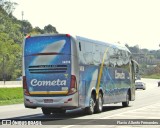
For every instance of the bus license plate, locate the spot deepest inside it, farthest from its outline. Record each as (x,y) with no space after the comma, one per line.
(48,100)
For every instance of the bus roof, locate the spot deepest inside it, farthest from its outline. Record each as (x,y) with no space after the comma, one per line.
(113,45)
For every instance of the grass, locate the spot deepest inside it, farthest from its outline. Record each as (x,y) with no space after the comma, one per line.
(153,76)
(11,96)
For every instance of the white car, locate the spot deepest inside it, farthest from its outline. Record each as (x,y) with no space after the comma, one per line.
(140,85)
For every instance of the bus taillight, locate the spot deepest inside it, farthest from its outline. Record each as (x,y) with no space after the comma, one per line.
(68,35)
(28,36)
(73,87)
(25,88)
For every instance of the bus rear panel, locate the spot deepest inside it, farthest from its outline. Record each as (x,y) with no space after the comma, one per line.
(47,78)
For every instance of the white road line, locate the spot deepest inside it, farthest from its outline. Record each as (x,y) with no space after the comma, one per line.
(68,126)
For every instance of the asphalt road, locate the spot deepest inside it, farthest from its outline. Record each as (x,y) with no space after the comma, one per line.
(146,106)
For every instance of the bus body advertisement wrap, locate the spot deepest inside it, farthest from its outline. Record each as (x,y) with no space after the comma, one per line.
(61,72)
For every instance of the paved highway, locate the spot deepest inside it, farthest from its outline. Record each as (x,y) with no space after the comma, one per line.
(146,106)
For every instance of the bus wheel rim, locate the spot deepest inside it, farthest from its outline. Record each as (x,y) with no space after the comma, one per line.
(91,105)
(100,103)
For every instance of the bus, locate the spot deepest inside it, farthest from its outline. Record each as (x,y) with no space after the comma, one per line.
(62,72)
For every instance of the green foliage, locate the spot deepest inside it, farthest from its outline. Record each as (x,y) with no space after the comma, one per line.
(10,52)
(11,95)
(13,101)
(157,54)
(26,27)
(8,6)
(50,29)
(134,49)
(37,30)
(152,76)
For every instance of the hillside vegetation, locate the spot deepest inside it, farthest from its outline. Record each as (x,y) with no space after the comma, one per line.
(149,61)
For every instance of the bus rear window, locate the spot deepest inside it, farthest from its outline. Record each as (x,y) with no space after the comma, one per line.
(47,44)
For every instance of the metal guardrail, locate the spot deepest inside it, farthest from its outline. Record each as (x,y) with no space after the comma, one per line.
(9,84)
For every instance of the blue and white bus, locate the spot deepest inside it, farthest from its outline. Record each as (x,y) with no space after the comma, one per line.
(61,72)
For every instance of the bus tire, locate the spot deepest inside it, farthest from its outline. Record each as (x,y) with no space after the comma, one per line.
(90,110)
(99,103)
(46,111)
(126,103)
(60,111)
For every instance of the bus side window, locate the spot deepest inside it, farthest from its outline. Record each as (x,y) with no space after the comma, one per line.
(88,53)
(79,46)
(96,54)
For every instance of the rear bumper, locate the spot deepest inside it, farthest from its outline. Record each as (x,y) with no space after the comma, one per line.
(64,102)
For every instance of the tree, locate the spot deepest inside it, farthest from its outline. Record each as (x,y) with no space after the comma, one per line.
(134,49)
(8,6)
(50,29)
(37,30)
(157,54)
(26,27)
(10,52)
(127,45)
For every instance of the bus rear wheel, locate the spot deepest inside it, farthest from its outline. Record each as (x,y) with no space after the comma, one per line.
(46,111)
(90,110)
(99,104)
(126,103)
